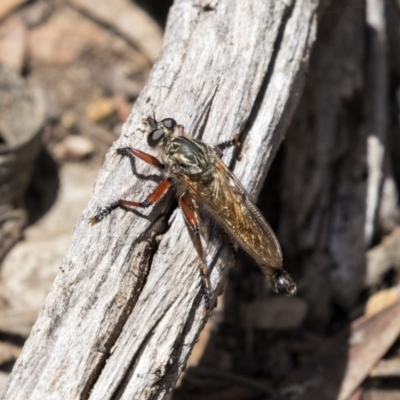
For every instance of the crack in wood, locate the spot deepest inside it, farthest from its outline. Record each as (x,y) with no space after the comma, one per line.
(263,88)
(174,367)
(206,115)
(119,391)
(159,226)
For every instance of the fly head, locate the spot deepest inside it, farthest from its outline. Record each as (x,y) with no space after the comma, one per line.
(159,129)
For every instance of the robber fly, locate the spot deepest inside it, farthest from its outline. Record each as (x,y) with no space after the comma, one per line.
(199,176)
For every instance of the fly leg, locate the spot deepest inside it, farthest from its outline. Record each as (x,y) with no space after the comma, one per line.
(192,219)
(219,148)
(152,198)
(131,152)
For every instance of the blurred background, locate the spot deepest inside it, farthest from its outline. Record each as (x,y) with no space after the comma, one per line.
(70,71)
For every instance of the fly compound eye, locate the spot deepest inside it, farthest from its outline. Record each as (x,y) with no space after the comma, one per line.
(154,137)
(169,123)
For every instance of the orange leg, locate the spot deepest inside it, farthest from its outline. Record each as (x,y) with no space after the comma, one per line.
(192,219)
(131,152)
(160,190)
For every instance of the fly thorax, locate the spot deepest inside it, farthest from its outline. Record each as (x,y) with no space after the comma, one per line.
(184,155)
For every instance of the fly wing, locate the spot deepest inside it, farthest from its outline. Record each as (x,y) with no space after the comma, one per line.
(230,204)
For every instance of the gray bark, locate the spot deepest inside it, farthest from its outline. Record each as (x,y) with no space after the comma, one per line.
(126,308)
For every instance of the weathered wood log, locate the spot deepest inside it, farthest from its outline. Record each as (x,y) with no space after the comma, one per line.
(126,308)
